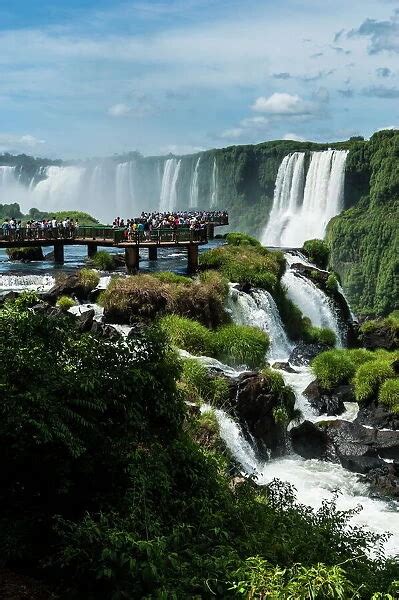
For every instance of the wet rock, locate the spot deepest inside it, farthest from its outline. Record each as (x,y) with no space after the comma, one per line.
(377,416)
(329,403)
(104,330)
(85,320)
(67,285)
(383,336)
(309,441)
(385,479)
(303,353)
(362,464)
(26,254)
(318,276)
(284,366)
(254,404)
(9,296)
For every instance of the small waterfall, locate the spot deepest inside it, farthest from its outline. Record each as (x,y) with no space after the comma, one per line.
(194,186)
(302,208)
(7,176)
(259,308)
(125,192)
(168,199)
(313,302)
(214,185)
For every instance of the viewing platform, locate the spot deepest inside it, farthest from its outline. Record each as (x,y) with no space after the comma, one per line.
(109,237)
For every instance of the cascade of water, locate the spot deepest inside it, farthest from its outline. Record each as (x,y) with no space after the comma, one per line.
(301,210)
(7,176)
(60,189)
(259,308)
(124,186)
(313,302)
(168,199)
(315,481)
(214,185)
(17,283)
(194,186)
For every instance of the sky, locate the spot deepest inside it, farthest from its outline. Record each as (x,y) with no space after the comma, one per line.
(87,78)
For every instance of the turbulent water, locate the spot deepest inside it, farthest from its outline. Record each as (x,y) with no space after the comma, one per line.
(302,207)
(259,308)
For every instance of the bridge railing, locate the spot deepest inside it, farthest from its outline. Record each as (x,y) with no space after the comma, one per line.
(159,236)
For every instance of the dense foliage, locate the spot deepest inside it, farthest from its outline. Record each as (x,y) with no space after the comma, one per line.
(105,493)
(317,251)
(364,240)
(8,211)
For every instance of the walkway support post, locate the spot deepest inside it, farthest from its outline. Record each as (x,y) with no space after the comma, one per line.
(132,259)
(210,231)
(59,253)
(192,258)
(91,250)
(152,253)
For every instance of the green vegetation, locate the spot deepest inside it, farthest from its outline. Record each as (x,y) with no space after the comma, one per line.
(233,344)
(25,253)
(65,303)
(242,345)
(285,411)
(103,261)
(370,376)
(88,279)
(13,211)
(363,239)
(147,296)
(241,239)
(321,335)
(389,394)
(388,328)
(338,366)
(200,387)
(106,494)
(332,283)
(246,264)
(317,251)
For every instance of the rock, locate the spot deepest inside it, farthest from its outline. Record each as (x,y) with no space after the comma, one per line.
(309,441)
(378,416)
(383,336)
(318,276)
(385,479)
(104,330)
(254,404)
(303,353)
(9,296)
(362,464)
(67,285)
(329,403)
(26,254)
(85,320)
(284,366)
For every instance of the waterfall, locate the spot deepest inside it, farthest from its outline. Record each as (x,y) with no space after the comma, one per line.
(259,308)
(125,192)
(214,185)
(194,186)
(7,176)
(168,198)
(313,302)
(18,283)
(303,207)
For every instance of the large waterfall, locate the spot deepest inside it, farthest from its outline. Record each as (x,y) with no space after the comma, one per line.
(194,185)
(302,207)
(168,199)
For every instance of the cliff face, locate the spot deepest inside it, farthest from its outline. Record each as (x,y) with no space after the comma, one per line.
(364,239)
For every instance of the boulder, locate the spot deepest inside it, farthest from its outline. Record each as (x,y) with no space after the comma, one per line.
(303,353)
(254,404)
(105,331)
(28,254)
(329,403)
(362,464)
(85,320)
(378,416)
(67,285)
(9,296)
(309,441)
(284,366)
(384,479)
(383,336)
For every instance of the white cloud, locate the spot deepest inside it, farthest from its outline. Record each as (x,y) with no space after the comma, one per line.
(10,141)
(281,103)
(232,134)
(294,137)
(119,110)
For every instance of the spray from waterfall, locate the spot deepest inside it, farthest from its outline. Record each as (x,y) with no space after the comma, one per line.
(303,207)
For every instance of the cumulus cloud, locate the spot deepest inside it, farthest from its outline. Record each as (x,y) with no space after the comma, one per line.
(380,91)
(10,141)
(119,110)
(383,35)
(282,103)
(294,137)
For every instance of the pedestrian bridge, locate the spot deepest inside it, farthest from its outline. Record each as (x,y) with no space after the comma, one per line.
(109,237)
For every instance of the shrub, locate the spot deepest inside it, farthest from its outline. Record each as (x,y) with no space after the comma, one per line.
(25,300)
(246,264)
(103,261)
(317,251)
(389,394)
(332,283)
(242,345)
(188,335)
(88,279)
(321,335)
(369,377)
(241,239)
(65,303)
(332,368)
(172,278)
(199,386)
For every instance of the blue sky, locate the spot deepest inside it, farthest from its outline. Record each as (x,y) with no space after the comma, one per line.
(82,78)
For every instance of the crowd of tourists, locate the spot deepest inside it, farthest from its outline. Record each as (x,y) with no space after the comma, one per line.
(33,229)
(153,221)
